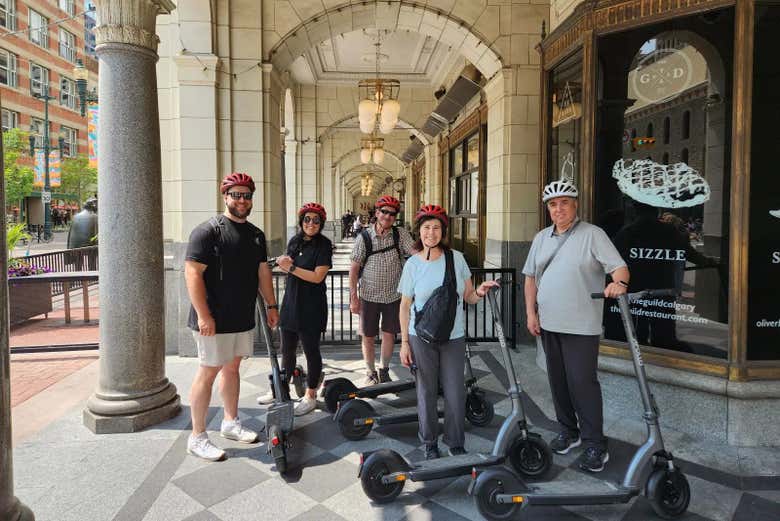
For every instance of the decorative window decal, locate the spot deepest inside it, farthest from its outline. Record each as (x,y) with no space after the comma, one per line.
(775,213)
(662,186)
(567,168)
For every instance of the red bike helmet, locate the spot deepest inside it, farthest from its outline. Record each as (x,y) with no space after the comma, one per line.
(431,210)
(314,208)
(388,200)
(237,179)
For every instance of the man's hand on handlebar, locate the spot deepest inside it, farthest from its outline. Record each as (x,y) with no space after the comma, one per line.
(613,290)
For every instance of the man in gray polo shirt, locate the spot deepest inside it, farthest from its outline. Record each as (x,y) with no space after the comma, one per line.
(568,261)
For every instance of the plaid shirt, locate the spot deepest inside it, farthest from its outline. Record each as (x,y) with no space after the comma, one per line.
(382,271)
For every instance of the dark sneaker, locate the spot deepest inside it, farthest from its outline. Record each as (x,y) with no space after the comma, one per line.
(564,443)
(432,451)
(594,459)
(371,379)
(457,451)
(384,375)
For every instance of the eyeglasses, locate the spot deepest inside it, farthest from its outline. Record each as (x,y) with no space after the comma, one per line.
(388,212)
(238,195)
(312,220)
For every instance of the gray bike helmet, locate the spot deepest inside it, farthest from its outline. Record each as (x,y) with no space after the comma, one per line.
(559,189)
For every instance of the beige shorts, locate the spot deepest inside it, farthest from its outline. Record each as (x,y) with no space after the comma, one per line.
(221,349)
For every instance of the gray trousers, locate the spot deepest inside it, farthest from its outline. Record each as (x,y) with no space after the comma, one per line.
(440,363)
(572,363)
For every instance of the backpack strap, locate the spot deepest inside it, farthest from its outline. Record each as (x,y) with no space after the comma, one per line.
(396,243)
(449,268)
(216,227)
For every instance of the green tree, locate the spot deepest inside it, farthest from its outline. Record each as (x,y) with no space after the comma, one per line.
(78,177)
(18,178)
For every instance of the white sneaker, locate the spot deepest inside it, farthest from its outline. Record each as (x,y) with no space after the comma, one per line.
(233,430)
(202,447)
(305,406)
(266,399)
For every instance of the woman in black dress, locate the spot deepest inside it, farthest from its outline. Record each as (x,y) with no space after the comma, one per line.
(304,312)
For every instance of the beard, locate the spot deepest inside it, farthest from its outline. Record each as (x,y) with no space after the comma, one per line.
(235,212)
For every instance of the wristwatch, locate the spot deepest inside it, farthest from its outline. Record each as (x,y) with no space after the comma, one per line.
(273,306)
(292,268)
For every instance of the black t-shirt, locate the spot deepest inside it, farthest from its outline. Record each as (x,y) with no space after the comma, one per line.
(305,304)
(232,254)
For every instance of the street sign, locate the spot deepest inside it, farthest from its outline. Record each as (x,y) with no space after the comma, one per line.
(46,197)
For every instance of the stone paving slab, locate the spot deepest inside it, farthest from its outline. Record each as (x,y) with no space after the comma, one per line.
(66,473)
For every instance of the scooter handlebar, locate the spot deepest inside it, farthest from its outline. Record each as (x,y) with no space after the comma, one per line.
(647,293)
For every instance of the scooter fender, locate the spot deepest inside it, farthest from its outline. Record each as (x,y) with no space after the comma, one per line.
(368,457)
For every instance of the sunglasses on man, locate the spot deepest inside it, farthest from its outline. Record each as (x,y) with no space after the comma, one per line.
(388,212)
(312,220)
(238,195)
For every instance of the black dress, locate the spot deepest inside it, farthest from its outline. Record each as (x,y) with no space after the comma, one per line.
(305,304)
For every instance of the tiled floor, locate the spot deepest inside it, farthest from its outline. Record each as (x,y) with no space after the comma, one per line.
(66,473)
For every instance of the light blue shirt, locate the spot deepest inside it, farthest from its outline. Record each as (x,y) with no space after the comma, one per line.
(420,279)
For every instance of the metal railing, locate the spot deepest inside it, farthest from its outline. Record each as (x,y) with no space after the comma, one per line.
(342,327)
(76,259)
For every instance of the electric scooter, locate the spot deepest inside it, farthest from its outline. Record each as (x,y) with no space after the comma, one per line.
(500,493)
(357,417)
(383,473)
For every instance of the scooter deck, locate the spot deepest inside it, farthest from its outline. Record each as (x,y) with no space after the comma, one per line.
(589,492)
(395,419)
(447,467)
(372,391)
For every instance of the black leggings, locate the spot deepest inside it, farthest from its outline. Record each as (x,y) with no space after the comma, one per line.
(311,348)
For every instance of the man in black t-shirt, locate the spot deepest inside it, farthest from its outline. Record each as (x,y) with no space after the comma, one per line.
(225,268)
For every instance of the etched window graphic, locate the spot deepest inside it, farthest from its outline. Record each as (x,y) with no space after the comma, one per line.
(775,213)
(662,186)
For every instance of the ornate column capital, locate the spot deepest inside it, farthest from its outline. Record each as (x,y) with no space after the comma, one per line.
(130,21)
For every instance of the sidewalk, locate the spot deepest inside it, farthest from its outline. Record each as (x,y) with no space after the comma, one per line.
(64,472)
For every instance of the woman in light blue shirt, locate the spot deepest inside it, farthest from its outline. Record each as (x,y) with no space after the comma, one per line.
(436,362)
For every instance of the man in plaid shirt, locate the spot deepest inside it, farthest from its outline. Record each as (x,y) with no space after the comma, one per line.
(378,284)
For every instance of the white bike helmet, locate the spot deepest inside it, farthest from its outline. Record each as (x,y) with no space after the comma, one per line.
(559,189)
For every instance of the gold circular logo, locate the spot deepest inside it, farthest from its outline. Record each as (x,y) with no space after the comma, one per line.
(662,74)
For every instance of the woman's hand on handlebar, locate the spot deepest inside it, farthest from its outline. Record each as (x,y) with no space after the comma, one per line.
(533,325)
(284,262)
(483,288)
(407,359)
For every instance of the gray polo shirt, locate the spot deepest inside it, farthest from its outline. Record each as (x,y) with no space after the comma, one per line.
(578,269)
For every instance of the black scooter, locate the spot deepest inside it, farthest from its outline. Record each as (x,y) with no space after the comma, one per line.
(279,420)
(499,493)
(356,417)
(383,473)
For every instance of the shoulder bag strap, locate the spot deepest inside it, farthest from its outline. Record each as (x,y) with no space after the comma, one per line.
(552,257)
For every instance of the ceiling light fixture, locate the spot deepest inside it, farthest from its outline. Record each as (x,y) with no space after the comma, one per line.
(378,100)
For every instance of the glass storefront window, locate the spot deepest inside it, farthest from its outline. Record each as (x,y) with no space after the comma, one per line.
(764,245)
(566,120)
(464,197)
(472,151)
(662,192)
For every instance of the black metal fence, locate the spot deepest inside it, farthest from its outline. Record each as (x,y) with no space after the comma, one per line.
(342,328)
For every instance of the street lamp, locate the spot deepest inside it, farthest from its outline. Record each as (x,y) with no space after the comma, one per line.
(46,194)
(81,74)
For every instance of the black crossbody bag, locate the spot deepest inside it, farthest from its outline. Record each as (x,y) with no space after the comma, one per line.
(434,322)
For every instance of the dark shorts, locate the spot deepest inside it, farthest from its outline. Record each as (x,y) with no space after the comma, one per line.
(369,317)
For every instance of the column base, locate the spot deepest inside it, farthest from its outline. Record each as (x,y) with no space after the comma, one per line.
(131,414)
(19,512)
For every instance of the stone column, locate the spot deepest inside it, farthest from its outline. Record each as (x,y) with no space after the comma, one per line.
(133,392)
(10,507)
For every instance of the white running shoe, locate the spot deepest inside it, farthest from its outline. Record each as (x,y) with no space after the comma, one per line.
(305,406)
(233,430)
(266,399)
(202,447)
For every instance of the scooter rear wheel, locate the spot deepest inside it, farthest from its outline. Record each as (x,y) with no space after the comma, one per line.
(492,483)
(351,411)
(530,456)
(668,492)
(299,381)
(335,388)
(479,411)
(374,469)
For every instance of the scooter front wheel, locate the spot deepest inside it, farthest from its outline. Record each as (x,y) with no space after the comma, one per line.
(347,415)
(490,484)
(479,411)
(278,448)
(374,469)
(668,492)
(530,456)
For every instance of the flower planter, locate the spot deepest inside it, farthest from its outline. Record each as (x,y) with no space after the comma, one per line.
(28,300)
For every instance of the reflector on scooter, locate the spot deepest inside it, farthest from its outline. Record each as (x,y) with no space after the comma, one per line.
(517,499)
(275,441)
